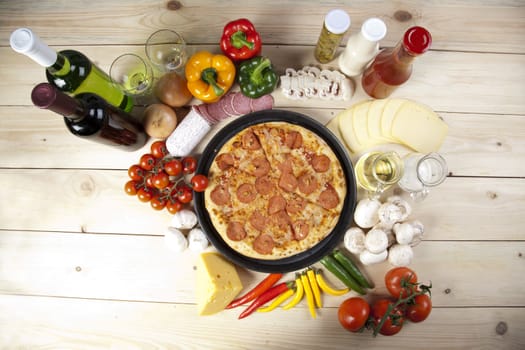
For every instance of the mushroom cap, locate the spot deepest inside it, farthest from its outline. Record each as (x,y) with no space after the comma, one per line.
(400,255)
(366,213)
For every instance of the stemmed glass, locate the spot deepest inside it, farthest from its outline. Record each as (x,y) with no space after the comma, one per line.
(166,50)
(133,75)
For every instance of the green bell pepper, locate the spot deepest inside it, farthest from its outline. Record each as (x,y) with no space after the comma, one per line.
(256,77)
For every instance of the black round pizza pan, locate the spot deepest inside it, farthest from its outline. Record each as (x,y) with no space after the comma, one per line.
(300,260)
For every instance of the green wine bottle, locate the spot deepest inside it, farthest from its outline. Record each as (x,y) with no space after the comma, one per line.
(69,71)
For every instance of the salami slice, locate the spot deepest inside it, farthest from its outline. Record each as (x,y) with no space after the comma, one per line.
(241,104)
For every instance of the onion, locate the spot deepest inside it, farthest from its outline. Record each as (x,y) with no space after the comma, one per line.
(159,120)
(172,90)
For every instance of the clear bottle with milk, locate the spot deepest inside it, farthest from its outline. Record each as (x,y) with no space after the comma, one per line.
(362,47)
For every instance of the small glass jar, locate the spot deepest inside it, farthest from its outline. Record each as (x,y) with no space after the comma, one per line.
(336,24)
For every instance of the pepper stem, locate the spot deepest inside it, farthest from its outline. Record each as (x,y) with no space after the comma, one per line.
(209,75)
(238,40)
(256,75)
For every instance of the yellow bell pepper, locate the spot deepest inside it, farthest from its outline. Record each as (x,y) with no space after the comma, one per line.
(209,76)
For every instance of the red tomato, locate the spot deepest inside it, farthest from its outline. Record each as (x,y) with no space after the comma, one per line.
(136,173)
(394,321)
(401,282)
(420,310)
(199,182)
(149,180)
(131,187)
(353,313)
(160,180)
(173,167)
(158,203)
(158,149)
(173,206)
(147,161)
(145,194)
(189,164)
(184,194)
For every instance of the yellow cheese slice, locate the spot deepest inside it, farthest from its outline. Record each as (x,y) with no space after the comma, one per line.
(419,127)
(217,283)
(346,127)
(389,112)
(375,112)
(360,121)
(333,126)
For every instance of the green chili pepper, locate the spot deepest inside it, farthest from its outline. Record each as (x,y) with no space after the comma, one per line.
(256,77)
(349,265)
(339,271)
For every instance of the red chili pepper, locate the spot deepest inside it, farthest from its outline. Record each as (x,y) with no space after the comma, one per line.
(266,297)
(240,40)
(259,289)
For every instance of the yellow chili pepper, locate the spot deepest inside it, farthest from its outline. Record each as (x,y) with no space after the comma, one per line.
(326,288)
(299,292)
(278,301)
(309,294)
(315,287)
(209,76)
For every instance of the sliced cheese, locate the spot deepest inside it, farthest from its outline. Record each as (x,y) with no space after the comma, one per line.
(375,112)
(360,121)
(333,126)
(389,112)
(217,283)
(419,127)
(346,127)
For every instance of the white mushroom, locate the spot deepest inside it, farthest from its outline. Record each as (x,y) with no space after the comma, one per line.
(184,219)
(175,240)
(197,240)
(366,212)
(404,232)
(405,207)
(376,241)
(368,258)
(354,240)
(400,255)
(388,230)
(419,231)
(389,213)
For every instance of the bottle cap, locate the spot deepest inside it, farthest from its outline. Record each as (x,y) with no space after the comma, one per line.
(337,21)
(24,41)
(45,95)
(417,40)
(373,29)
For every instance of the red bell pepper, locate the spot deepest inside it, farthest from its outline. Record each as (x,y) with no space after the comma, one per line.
(240,41)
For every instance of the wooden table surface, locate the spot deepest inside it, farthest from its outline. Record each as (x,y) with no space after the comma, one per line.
(84,266)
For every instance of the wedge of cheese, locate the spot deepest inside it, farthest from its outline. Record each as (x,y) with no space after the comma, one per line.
(217,283)
(419,127)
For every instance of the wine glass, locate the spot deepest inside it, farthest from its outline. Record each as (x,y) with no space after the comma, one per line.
(166,50)
(133,76)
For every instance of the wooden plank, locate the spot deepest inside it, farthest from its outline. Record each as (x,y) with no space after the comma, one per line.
(140,268)
(36,322)
(455,25)
(494,147)
(94,201)
(463,89)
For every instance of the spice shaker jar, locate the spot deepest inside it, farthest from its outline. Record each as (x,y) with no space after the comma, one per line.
(336,24)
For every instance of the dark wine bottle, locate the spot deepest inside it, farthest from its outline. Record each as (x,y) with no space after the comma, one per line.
(89,116)
(69,70)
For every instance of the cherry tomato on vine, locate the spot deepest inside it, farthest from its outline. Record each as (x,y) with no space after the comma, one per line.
(173,206)
(149,180)
(136,173)
(147,161)
(160,180)
(420,310)
(401,282)
(131,187)
(353,313)
(158,203)
(173,167)
(189,164)
(158,149)
(393,322)
(184,194)
(145,194)
(199,182)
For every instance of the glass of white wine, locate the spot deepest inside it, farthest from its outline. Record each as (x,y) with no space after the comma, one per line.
(377,171)
(132,74)
(166,50)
